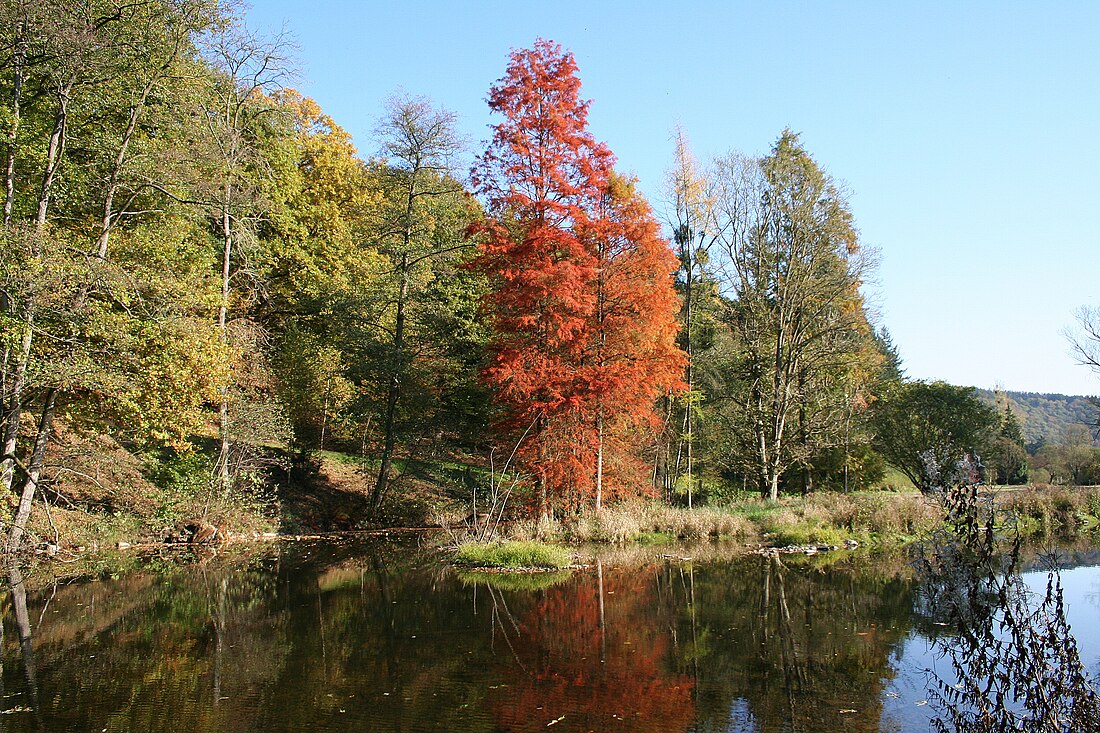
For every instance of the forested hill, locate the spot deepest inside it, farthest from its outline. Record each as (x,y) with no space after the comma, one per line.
(1048,417)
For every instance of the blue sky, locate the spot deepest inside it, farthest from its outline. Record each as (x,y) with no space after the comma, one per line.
(965,133)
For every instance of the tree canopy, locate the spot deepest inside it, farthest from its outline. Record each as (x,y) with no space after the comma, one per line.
(935,433)
(580,294)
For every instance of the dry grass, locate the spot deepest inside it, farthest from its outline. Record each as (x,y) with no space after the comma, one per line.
(648,521)
(827,518)
(1047,509)
(639,522)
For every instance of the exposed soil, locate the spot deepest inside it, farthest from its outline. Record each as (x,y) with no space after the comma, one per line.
(324,495)
(331,493)
(96,494)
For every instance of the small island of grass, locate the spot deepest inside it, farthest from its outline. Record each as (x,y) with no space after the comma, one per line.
(515,555)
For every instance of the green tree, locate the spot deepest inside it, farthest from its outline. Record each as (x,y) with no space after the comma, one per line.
(420,144)
(321,271)
(1076,457)
(693,234)
(791,266)
(90,320)
(240,116)
(313,385)
(934,433)
(1007,453)
(891,370)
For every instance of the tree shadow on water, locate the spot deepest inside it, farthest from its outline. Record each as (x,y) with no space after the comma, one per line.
(1014,663)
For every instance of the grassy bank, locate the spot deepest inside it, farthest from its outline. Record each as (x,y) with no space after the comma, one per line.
(880,518)
(109,495)
(875,518)
(1041,509)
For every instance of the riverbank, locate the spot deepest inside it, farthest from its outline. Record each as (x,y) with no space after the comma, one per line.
(878,519)
(109,496)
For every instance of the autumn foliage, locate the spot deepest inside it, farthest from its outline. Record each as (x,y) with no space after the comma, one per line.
(582,301)
(595,661)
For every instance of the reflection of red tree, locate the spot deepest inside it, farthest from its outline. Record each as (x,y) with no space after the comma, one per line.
(610,678)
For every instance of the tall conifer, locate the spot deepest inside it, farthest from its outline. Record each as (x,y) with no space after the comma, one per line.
(582,300)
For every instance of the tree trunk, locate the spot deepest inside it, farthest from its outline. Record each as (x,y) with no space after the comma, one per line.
(601,320)
(540,477)
(224,483)
(19,58)
(393,392)
(847,440)
(34,470)
(14,406)
(690,478)
(688,417)
(116,172)
(599,461)
(54,154)
(324,414)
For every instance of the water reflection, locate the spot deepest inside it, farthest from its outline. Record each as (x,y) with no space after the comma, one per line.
(796,646)
(384,636)
(1013,662)
(26,643)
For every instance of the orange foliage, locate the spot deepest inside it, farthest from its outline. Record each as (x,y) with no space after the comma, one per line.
(582,299)
(612,677)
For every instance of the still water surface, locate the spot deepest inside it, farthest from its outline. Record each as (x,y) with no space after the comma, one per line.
(383,636)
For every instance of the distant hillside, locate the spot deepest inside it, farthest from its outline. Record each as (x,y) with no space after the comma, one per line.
(1047,417)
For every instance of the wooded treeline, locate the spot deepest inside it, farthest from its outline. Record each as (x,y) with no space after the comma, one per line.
(198,262)
(196,259)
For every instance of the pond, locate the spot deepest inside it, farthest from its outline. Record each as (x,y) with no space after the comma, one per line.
(383,636)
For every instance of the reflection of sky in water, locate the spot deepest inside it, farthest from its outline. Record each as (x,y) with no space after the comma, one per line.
(1081,593)
(905,706)
(741,718)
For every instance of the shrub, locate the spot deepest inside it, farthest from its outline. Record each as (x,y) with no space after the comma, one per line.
(1048,508)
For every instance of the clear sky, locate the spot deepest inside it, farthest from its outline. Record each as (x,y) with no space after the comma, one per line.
(965,133)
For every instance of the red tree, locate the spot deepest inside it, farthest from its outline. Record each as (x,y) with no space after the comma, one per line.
(635,358)
(582,300)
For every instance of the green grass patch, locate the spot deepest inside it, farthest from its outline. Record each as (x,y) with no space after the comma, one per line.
(895,480)
(338,457)
(756,510)
(523,582)
(513,555)
(803,533)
